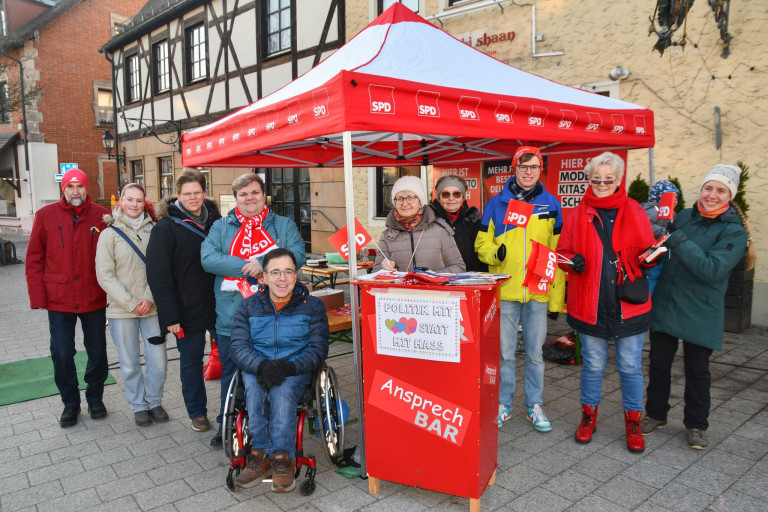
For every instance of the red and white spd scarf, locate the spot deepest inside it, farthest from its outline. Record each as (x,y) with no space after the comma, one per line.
(250,241)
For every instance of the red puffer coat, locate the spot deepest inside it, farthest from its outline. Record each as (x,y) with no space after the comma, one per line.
(60,267)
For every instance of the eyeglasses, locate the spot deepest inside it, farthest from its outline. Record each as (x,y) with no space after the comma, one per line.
(406,199)
(192,194)
(602,182)
(528,168)
(445,194)
(277,274)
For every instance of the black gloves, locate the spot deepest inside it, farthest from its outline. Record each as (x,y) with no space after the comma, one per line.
(553,315)
(270,373)
(273,372)
(577,263)
(501,253)
(671,226)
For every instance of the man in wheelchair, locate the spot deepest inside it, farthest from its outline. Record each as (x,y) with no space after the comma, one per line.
(280,336)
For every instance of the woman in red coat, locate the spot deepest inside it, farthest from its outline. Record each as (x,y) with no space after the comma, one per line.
(603,238)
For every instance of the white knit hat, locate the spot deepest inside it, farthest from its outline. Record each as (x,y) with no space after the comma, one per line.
(728,175)
(410,184)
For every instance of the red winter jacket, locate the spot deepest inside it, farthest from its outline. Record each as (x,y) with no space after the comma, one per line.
(60,267)
(568,246)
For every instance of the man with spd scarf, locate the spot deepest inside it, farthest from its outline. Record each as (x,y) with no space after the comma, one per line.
(233,251)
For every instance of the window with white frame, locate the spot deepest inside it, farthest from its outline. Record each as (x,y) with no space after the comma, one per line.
(385,179)
(132,78)
(161,76)
(196,53)
(102,104)
(277,26)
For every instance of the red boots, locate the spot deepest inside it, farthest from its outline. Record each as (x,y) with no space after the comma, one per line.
(587,426)
(635,441)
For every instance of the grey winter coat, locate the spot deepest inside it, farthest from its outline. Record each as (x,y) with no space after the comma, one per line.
(120,271)
(431,240)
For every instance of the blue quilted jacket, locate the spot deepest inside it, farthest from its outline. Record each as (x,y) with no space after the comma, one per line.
(298,332)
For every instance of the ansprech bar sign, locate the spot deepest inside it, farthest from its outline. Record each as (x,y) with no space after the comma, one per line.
(423,410)
(419,327)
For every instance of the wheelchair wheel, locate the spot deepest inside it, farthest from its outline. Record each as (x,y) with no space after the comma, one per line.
(233,407)
(330,416)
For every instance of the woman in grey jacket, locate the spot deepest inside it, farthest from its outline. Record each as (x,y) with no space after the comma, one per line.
(415,237)
(122,273)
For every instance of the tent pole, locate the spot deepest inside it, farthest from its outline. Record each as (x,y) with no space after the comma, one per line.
(651,170)
(353,290)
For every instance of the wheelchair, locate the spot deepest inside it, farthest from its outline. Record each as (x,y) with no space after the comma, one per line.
(321,405)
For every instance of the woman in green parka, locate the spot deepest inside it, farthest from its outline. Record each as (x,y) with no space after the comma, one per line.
(706,243)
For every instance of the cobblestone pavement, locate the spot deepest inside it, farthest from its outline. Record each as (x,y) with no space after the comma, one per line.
(114,466)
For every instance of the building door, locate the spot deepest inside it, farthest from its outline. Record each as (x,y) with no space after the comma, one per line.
(289,189)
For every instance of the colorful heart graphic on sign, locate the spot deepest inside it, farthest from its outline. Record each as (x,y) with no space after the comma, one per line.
(399,326)
(389,323)
(410,326)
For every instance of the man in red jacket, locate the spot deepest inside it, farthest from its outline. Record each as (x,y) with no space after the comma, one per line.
(61,278)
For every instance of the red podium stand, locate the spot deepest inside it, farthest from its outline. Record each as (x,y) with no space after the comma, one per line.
(430,356)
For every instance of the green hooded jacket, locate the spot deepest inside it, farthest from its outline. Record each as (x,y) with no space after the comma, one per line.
(688,301)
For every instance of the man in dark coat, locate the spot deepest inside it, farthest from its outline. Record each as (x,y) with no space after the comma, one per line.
(183,291)
(61,278)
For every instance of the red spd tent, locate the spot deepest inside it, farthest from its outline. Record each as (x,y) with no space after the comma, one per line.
(410,94)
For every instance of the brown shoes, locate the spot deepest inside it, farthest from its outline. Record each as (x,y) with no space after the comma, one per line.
(257,467)
(283,470)
(201,424)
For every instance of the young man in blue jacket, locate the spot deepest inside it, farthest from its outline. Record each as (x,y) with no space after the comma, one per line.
(279,337)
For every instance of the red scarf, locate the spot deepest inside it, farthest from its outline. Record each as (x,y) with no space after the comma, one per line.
(711,214)
(408,222)
(626,239)
(250,241)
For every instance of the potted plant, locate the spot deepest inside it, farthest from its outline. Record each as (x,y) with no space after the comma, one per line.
(738,295)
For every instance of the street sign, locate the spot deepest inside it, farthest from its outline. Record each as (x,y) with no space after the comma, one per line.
(65,167)
(58,178)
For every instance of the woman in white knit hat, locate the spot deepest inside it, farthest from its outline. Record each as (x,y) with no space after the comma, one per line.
(706,243)
(415,237)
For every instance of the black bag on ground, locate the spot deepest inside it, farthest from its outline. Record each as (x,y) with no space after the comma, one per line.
(561,350)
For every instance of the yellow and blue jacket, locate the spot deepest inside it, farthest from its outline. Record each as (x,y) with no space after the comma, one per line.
(544,227)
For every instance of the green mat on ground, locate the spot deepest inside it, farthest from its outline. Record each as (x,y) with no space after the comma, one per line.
(33,378)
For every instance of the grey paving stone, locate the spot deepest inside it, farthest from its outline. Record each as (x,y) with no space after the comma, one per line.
(651,473)
(30,496)
(54,472)
(23,465)
(211,499)
(125,504)
(88,479)
(676,496)
(120,440)
(184,451)
(28,449)
(173,472)
(397,502)
(744,447)
(625,492)
(75,501)
(154,445)
(600,467)
(347,499)
(537,497)
(9,454)
(571,485)
(207,479)
(124,487)
(752,484)
(136,465)
(104,458)
(73,452)
(551,462)
(520,479)
(263,503)
(163,494)
(13,483)
(728,463)
(595,504)
(732,500)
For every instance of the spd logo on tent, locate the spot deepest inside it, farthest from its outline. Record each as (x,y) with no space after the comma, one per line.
(426,102)
(618,123)
(252,123)
(537,117)
(320,99)
(595,122)
(639,125)
(468,108)
(294,112)
(270,122)
(382,99)
(504,112)
(568,121)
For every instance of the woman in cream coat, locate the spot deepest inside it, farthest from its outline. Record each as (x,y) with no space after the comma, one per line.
(131,312)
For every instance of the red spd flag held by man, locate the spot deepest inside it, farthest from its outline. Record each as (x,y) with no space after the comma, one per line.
(339,239)
(536,284)
(542,262)
(667,206)
(518,213)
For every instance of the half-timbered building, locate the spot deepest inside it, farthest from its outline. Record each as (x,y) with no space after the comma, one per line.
(179,64)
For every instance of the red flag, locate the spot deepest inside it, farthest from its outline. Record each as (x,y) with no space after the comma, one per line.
(339,239)
(518,213)
(536,284)
(545,264)
(667,206)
